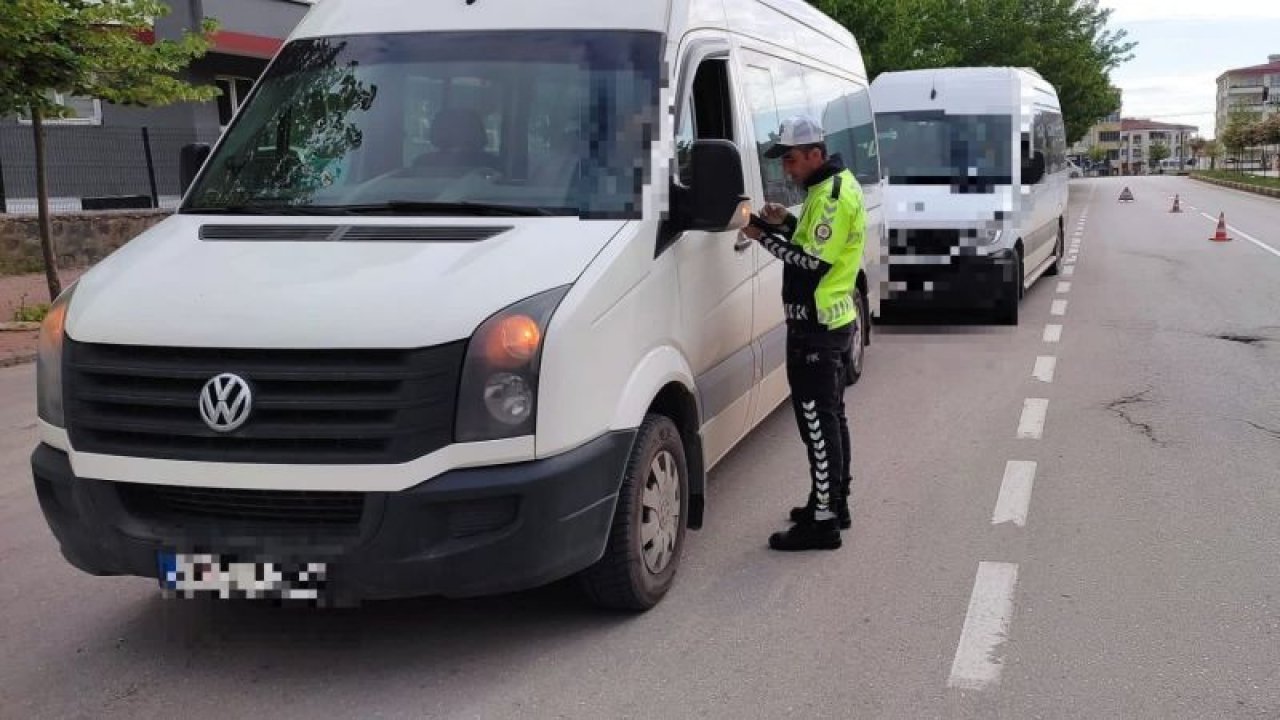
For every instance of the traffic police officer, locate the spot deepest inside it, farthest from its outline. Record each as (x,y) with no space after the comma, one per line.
(821,253)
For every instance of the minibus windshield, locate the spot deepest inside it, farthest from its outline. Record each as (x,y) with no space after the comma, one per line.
(934,148)
(473,123)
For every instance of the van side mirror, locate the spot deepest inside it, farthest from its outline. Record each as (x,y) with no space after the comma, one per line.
(190,159)
(714,200)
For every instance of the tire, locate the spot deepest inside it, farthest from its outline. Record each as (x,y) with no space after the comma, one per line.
(654,498)
(1059,249)
(1011,295)
(856,358)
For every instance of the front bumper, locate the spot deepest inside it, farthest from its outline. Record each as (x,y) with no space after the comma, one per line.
(967,282)
(468,532)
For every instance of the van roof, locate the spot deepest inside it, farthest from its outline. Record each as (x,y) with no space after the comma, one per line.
(976,90)
(357,17)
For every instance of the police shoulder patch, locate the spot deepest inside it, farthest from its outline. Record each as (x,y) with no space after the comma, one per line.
(822,232)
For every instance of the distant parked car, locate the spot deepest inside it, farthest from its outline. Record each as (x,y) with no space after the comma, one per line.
(1074,170)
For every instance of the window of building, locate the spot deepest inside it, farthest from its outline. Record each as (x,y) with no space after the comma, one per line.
(1109,136)
(80,110)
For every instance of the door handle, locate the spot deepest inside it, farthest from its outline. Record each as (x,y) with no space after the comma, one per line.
(743,244)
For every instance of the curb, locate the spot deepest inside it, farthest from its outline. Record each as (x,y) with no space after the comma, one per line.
(19,326)
(1244,187)
(15,360)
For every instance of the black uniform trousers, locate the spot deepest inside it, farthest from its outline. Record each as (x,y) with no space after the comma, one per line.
(816,363)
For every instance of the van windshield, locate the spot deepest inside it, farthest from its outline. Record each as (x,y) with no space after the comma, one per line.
(933,148)
(537,123)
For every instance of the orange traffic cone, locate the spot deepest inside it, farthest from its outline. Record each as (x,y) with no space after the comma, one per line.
(1221,234)
(1177,205)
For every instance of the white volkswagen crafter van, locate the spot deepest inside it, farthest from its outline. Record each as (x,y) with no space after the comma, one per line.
(976,166)
(457,305)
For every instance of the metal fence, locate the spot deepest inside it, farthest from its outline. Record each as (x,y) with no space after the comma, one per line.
(94,167)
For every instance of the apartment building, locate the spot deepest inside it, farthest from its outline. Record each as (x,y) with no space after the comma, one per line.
(1253,89)
(1137,136)
(1104,134)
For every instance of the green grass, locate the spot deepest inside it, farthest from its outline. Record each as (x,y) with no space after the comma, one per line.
(30,313)
(1239,177)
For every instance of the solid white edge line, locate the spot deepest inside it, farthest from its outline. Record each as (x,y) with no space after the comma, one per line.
(1052,333)
(1058,308)
(986,627)
(1233,229)
(1031,423)
(1014,501)
(1045,365)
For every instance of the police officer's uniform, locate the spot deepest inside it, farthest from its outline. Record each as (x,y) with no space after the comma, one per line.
(821,252)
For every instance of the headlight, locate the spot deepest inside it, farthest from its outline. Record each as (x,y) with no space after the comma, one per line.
(49,362)
(498,396)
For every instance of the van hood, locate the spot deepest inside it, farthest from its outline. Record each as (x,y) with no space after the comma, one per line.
(257,282)
(938,206)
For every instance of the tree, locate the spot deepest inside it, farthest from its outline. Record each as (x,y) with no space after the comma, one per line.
(1197,145)
(1158,153)
(103,49)
(1269,134)
(1212,150)
(1066,41)
(1097,154)
(1239,133)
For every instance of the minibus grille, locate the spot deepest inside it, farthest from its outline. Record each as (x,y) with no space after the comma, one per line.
(172,504)
(308,406)
(925,242)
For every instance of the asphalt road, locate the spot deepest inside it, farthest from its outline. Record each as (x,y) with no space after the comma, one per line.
(1079,528)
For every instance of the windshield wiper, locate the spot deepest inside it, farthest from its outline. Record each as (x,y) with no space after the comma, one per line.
(261,210)
(410,207)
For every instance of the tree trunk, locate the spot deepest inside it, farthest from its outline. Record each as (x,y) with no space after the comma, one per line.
(42,209)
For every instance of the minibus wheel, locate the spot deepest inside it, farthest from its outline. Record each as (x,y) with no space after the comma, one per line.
(640,561)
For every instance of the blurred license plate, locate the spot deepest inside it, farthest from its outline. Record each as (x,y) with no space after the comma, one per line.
(192,575)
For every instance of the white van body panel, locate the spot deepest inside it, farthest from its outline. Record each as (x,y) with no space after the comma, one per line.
(178,290)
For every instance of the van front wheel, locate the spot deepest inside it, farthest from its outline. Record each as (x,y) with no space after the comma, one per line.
(640,560)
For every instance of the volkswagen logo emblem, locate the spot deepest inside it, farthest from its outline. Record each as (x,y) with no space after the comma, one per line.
(225,402)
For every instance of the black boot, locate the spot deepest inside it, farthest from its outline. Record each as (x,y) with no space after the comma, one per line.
(818,535)
(804,513)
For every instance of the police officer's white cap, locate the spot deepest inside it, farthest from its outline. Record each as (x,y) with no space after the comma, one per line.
(798,130)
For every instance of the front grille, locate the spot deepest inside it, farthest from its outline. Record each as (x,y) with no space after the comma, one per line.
(309,407)
(925,242)
(170,504)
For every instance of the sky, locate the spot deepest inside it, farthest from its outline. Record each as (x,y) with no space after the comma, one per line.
(1183,46)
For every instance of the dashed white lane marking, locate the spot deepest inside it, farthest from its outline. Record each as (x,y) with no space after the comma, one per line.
(1064,287)
(1015,493)
(1031,424)
(986,627)
(1058,308)
(1052,333)
(1246,236)
(1045,365)
(1069,270)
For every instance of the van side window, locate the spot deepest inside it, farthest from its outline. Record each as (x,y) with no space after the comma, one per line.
(843,108)
(707,114)
(775,93)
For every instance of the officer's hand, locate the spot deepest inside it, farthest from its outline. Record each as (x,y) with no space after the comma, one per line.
(752,232)
(774,213)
